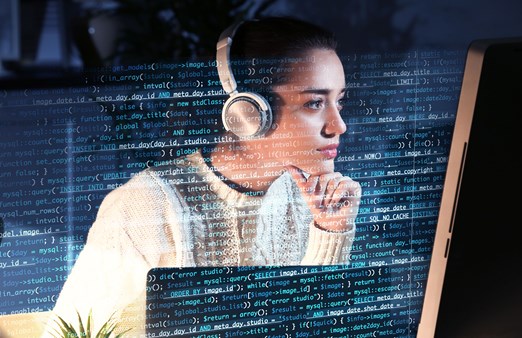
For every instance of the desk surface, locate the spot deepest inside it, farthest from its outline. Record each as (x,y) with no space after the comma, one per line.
(26,325)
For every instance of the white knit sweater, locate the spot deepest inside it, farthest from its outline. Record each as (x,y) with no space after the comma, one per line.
(183,215)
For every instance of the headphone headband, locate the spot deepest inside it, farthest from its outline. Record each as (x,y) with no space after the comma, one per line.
(223,58)
(247,115)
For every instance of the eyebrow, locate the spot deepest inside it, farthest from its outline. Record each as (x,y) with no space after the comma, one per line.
(321,91)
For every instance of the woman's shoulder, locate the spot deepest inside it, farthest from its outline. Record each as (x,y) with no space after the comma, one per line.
(142,210)
(141,183)
(154,183)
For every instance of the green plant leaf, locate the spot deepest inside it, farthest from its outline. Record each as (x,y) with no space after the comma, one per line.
(89,323)
(67,330)
(80,324)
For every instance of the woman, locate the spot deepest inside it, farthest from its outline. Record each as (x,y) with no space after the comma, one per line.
(272,199)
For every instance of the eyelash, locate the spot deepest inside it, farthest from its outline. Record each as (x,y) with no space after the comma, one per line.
(313,104)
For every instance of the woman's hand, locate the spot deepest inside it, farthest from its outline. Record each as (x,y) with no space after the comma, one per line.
(333,198)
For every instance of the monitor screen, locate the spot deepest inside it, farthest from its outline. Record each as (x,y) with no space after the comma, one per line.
(64,148)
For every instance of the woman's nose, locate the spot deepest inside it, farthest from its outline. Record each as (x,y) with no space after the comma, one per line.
(334,124)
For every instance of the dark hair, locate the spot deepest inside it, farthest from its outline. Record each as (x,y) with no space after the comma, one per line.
(279,36)
(279,39)
(271,46)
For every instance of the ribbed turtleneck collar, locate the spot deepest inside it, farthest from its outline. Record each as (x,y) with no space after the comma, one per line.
(220,188)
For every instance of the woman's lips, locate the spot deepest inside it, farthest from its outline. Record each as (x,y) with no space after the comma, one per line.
(330,151)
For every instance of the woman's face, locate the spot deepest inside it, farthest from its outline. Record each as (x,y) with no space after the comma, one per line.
(308,123)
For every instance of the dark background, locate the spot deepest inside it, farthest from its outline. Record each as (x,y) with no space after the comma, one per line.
(50,38)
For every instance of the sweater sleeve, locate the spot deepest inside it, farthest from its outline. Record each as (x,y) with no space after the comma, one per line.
(321,247)
(328,248)
(109,276)
(286,234)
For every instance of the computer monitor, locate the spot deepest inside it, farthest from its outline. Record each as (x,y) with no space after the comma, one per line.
(474,281)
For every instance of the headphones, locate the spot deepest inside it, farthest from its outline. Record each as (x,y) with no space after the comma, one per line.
(246,114)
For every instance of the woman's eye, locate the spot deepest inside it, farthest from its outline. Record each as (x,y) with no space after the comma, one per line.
(341,102)
(314,104)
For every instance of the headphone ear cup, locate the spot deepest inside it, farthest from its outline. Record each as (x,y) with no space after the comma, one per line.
(247,115)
